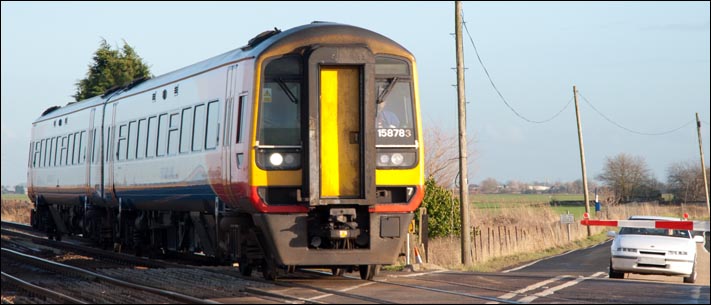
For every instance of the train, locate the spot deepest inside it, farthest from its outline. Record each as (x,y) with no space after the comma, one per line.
(302,148)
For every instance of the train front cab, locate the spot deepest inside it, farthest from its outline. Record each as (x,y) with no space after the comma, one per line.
(333,184)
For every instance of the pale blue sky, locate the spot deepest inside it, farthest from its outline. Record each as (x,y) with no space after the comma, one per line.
(645,65)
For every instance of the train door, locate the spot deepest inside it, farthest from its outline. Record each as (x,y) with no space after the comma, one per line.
(90,143)
(108,192)
(341,146)
(233,102)
(340,118)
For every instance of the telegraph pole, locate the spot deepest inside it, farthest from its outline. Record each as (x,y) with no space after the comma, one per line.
(463,183)
(703,165)
(582,155)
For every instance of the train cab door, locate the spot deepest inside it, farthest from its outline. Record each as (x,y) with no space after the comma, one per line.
(231,130)
(108,192)
(340,147)
(91,143)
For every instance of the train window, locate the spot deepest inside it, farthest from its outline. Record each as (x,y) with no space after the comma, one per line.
(122,148)
(173,133)
(162,135)
(37,154)
(132,140)
(213,124)
(107,143)
(186,130)
(77,148)
(394,120)
(29,155)
(50,156)
(152,137)
(63,151)
(199,128)
(54,153)
(57,151)
(94,147)
(70,149)
(82,147)
(280,107)
(391,66)
(240,118)
(42,154)
(142,139)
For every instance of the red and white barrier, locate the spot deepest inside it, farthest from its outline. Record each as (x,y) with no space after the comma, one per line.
(694,225)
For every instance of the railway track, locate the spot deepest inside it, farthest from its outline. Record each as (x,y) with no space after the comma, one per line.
(80,285)
(226,284)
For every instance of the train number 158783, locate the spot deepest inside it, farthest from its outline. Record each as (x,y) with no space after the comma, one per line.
(394,133)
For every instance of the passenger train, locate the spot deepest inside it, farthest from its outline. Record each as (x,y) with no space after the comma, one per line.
(301,149)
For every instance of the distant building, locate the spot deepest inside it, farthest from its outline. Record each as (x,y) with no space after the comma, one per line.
(539,188)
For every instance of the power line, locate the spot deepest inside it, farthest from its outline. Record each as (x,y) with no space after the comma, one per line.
(499,92)
(631,130)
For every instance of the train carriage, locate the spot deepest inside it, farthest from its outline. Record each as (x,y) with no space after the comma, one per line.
(302,148)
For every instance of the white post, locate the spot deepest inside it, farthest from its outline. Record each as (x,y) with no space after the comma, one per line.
(408,249)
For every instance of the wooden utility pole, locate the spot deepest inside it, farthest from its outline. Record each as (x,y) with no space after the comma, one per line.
(703,164)
(582,155)
(463,182)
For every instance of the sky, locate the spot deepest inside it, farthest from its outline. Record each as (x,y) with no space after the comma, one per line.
(640,68)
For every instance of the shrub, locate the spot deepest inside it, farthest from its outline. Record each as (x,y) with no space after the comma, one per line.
(442,209)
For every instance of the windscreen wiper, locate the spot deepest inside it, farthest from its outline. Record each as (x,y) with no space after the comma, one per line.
(384,94)
(286,90)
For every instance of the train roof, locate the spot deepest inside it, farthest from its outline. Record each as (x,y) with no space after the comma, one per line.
(256,46)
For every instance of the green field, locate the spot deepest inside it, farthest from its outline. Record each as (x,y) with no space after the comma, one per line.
(14,197)
(507,200)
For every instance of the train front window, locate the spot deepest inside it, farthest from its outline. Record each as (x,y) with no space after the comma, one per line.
(394,121)
(280,104)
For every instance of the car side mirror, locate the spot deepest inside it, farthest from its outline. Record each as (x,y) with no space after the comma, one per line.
(699,239)
(611,234)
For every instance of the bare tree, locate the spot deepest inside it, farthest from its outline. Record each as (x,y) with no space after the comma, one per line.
(442,155)
(626,176)
(489,186)
(685,180)
(515,187)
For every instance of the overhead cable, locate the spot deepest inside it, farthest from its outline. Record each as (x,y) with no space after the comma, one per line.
(632,130)
(499,92)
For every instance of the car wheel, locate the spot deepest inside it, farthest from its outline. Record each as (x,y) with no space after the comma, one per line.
(692,277)
(615,274)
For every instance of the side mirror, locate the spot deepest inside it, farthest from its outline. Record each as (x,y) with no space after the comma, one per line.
(611,234)
(699,239)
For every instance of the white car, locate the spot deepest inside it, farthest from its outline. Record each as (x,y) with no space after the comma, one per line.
(653,251)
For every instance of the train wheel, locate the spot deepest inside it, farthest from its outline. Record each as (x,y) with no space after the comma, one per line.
(269,271)
(244,267)
(335,271)
(367,272)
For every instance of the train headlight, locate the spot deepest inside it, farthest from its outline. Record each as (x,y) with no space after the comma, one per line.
(276,159)
(397,159)
(384,159)
(400,158)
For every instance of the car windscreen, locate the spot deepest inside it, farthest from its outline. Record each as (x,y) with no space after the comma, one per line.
(657,232)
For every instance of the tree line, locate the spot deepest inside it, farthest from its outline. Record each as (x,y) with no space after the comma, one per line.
(624,178)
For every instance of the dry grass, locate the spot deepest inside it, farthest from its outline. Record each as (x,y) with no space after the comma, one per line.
(510,236)
(503,237)
(16,210)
